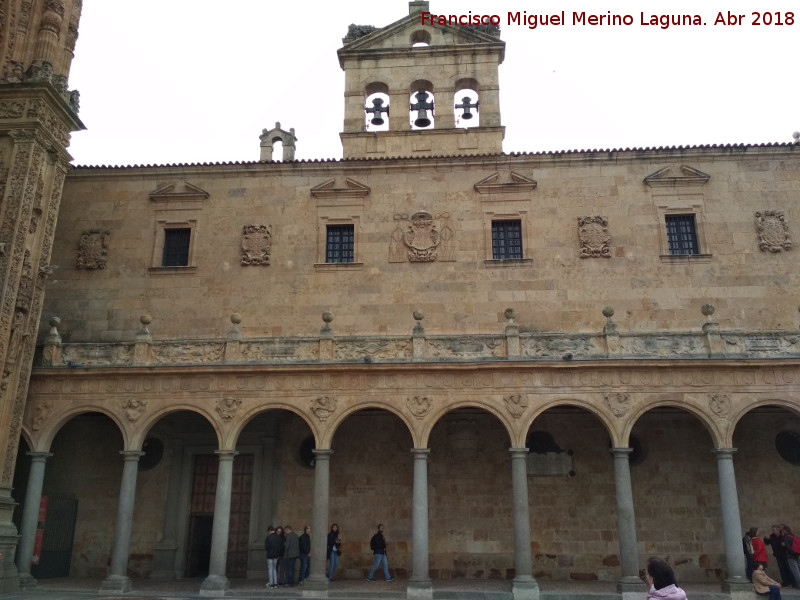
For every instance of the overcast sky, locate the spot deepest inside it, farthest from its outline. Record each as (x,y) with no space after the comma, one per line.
(180,81)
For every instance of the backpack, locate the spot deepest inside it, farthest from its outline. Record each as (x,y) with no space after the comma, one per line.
(794,547)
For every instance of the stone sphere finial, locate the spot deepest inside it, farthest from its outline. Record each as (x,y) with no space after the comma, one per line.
(54,322)
(236,318)
(510,314)
(608,312)
(707,309)
(419,315)
(327,316)
(145,320)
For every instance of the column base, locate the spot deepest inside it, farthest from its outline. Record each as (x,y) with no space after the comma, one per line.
(524,588)
(27,581)
(419,590)
(739,588)
(9,537)
(632,588)
(316,586)
(121,584)
(213,584)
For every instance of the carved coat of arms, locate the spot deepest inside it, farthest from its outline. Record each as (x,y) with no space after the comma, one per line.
(594,237)
(773,233)
(256,244)
(421,240)
(93,249)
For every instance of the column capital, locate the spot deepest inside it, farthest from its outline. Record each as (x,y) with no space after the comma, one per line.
(226,454)
(131,454)
(322,453)
(519,452)
(420,453)
(722,453)
(39,456)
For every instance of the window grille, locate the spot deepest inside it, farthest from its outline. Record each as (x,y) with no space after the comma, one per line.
(176,247)
(339,244)
(506,239)
(682,234)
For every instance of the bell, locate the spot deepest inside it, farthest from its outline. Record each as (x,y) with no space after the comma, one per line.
(422,118)
(377,111)
(466,114)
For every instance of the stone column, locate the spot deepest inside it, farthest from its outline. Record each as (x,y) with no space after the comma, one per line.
(524,586)
(735,581)
(30,518)
(626,523)
(320,526)
(117,579)
(217,581)
(420,586)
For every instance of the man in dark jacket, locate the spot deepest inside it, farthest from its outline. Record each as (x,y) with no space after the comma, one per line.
(273,545)
(378,546)
(291,552)
(305,551)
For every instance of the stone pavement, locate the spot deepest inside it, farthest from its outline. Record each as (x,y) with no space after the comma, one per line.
(453,589)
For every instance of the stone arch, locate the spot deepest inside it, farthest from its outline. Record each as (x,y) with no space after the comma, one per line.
(44,439)
(423,104)
(573,401)
(138,437)
(419,38)
(242,421)
(713,430)
(436,416)
(466,104)
(744,409)
(329,432)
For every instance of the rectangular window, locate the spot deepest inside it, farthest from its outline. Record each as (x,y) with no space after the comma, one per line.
(682,234)
(176,247)
(507,239)
(339,243)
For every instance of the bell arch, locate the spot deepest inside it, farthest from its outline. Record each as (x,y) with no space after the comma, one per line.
(376,108)
(420,38)
(422,105)
(466,105)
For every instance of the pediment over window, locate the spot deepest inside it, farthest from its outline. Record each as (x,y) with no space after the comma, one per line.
(351,189)
(503,183)
(182,192)
(677,175)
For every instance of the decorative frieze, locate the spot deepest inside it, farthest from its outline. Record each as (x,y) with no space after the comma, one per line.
(773,232)
(93,249)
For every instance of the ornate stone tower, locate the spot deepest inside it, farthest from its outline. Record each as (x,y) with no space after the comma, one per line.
(37,114)
(417,87)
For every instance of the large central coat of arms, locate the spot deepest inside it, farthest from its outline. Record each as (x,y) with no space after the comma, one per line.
(421,240)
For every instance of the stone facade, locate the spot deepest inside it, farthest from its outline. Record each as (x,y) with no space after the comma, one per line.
(526,366)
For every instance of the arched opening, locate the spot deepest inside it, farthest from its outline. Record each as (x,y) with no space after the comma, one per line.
(371,482)
(466,105)
(469,482)
(572,497)
(421,105)
(676,494)
(376,107)
(420,39)
(277,148)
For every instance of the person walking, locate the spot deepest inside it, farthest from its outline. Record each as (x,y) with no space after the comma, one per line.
(305,554)
(378,546)
(291,553)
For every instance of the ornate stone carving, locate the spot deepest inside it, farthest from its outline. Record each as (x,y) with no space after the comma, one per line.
(618,402)
(372,349)
(133,407)
(516,404)
(93,249)
(323,407)
(41,411)
(594,237)
(419,405)
(189,352)
(228,407)
(720,404)
(421,241)
(13,109)
(256,244)
(773,232)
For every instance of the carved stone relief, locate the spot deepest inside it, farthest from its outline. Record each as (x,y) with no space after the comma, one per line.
(426,238)
(40,413)
(323,407)
(133,407)
(773,232)
(419,405)
(228,407)
(594,237)
(720,404)
(618,402)
(93,249)
(256,244)
(516,404)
